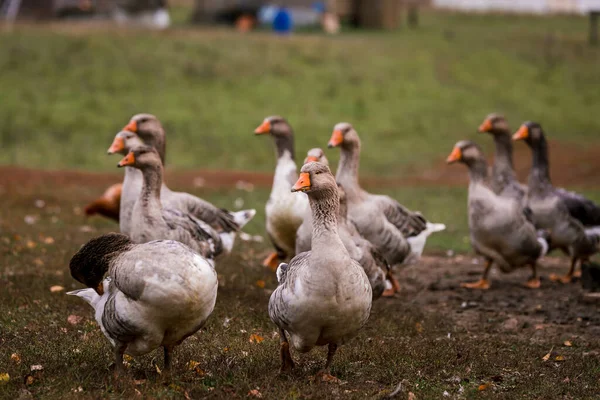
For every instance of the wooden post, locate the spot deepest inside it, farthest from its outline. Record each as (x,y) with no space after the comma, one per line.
(594,16)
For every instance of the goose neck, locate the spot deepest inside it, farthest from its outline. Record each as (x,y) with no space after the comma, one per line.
(324,210)
(540,172)
(347,173)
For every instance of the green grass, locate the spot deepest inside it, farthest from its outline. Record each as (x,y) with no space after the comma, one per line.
(411,94)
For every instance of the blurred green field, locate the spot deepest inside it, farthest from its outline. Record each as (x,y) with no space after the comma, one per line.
(411,94)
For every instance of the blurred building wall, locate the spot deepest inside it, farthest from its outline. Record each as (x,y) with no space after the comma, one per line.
(521,6)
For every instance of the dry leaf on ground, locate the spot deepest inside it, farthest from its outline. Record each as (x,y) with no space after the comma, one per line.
(4,377)
(260,283)
(255,338)
(56,288)
(74,319)
(568,343)
(411,396)
(255,393)
(419,327)
(559,358)
(484,386)
(15,358)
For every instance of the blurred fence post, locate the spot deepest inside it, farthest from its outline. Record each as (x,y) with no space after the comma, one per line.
(594,16)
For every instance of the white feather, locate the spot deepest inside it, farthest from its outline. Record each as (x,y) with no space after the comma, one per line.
(417,243)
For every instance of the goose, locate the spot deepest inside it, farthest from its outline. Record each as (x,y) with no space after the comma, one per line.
(360,249)
(108,204)
(324,296)
(147,129)
(500,231)
(156,294)
(284,210)
(150,220)
(392,228)
(504,181)
(566,215)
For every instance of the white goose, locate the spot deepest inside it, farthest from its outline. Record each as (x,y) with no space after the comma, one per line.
(285,211)
(155,295)
(324,296)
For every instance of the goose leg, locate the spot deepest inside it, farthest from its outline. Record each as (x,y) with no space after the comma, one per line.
(395,284)
(166,373)
(287,363)
(119,367)
(569,276)
(534,281)
(483,283)
(324,374)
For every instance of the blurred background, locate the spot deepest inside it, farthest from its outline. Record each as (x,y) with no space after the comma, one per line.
(413,77)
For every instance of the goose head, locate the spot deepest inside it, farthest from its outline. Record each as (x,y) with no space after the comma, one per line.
(141,158)
(315,180)
(150,130)
(124,141)
(531,133)
(92,261)
(344,135)
(281,131)
(316,155)
(466,152)
(494,124)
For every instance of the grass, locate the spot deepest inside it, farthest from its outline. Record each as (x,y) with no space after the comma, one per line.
(403,343)
(411,94)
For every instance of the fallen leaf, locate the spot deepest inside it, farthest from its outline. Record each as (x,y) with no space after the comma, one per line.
(139,382)
(37,367)
(30,244)
(38,262)
(559,358)
(158,370)
(411,396)
(56,288)
(254,338)
(566,380)
(16,358)
(225,349)
(192,364)
(260,283)
(547,356)
(255,393)
(29,380)
(40,203)
(48,240)
(419,327)
(484,386)
(74,319)
(4,377)
(568,343)
(127,358)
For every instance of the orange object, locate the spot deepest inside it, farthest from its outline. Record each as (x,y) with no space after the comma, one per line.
(245,23)
(131,126)
(522,133)
(117,145)
(303,183)
(337,137)
(108,205)
(129,159)
(455,156)
(485,126)
(265,127)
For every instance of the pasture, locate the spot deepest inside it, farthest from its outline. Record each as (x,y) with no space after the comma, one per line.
(411,94)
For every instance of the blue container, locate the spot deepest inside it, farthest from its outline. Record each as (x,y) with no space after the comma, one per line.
(283,23)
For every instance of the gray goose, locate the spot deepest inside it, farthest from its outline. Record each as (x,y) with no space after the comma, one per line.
(324,296)
(360,249)
(504,181)
(392,228)
(147,129)
(284,210)
(566,215)
(155,294)
(500,231)
(150,220)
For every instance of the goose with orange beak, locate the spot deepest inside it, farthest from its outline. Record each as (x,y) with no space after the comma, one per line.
(504,180)
(396,232)
(284,210)
(499,229)
(360,249)
(146,130)
(324,296)
(572,220)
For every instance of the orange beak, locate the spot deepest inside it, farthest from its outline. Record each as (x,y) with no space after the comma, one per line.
(485,126)
(131,126)
(265,127)
(310,159)
(129,159)
(455,156)
(522,133)
(117,146)
(337,137)
(303,183)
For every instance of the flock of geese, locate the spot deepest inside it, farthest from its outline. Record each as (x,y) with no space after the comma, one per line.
(335,244)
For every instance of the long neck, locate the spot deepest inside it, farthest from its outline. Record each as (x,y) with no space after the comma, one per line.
(285,143)
(540,172)
(325,211)
(150,194)
(347,173)
(477,170)
(503,161)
